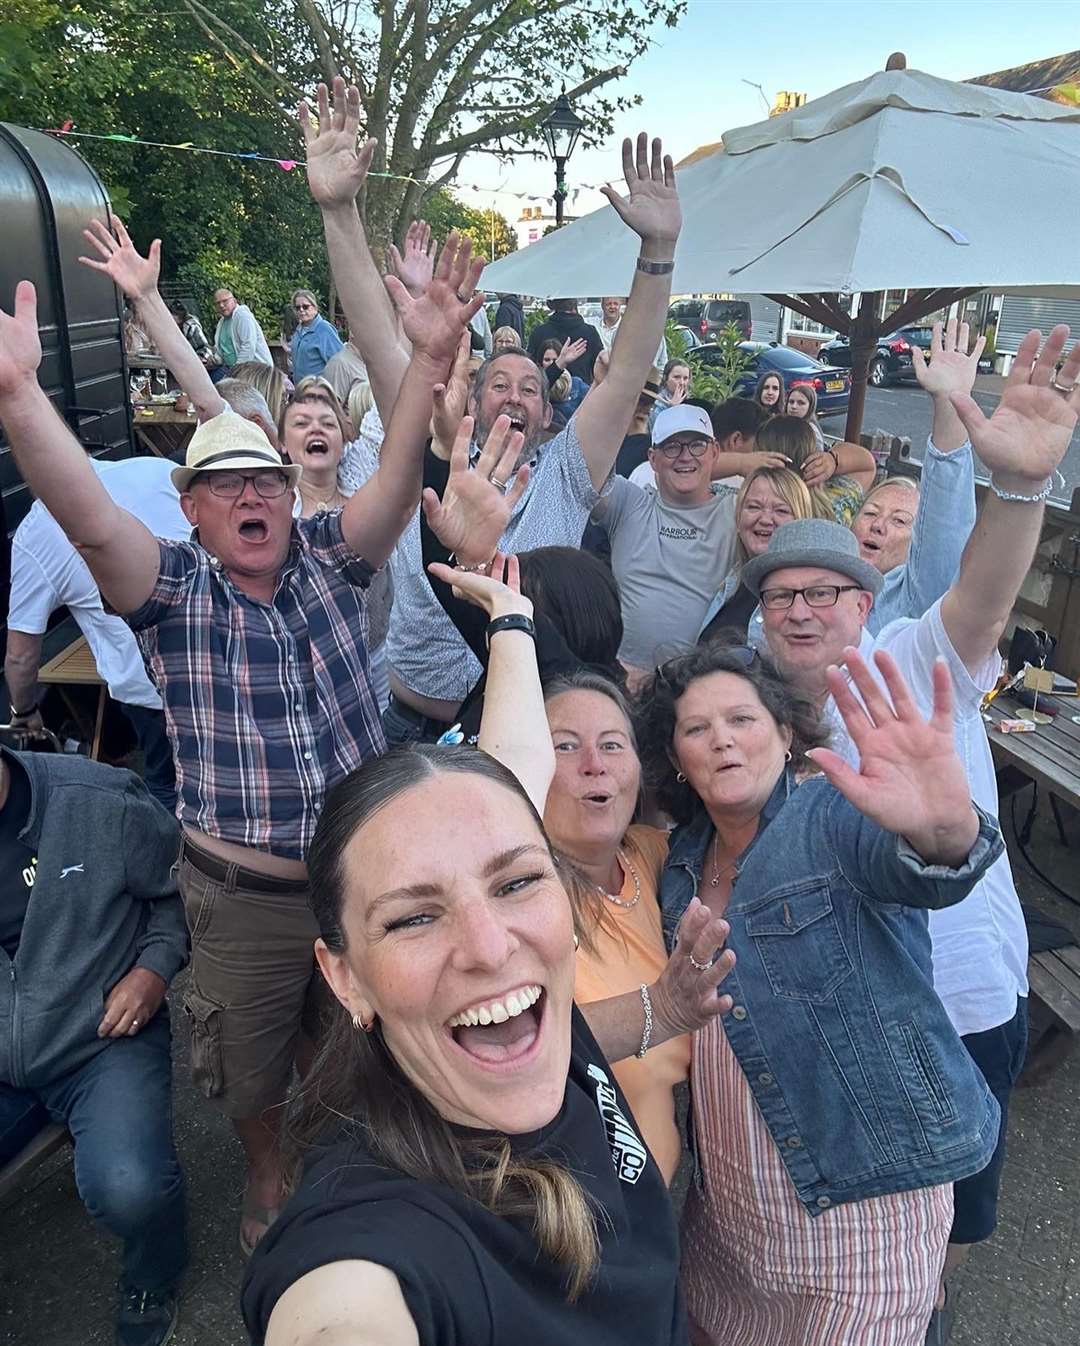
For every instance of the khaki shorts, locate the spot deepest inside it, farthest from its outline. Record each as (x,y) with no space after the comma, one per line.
(254,983)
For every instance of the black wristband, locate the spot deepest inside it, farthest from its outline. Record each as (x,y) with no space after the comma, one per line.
(513,621)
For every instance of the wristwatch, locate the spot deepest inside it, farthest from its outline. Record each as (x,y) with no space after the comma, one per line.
(512,621)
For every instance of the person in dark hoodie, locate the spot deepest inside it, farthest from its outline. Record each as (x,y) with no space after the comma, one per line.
(511,313)
(92,932)
(567,324)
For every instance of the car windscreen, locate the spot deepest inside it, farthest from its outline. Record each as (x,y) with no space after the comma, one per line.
(727,310)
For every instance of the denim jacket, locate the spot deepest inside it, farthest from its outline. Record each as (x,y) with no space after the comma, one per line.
(943,523)
(857,1073)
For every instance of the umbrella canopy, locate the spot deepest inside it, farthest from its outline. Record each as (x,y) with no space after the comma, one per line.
(901,181)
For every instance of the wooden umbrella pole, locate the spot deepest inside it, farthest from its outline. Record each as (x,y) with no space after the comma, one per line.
(862,339)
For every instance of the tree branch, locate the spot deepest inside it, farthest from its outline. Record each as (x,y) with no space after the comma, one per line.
(199,11)
(319,34)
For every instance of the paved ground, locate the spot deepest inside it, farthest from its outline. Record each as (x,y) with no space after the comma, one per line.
(1020,1289)
(904,409)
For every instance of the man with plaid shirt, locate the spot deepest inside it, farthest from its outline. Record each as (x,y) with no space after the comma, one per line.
(254,632)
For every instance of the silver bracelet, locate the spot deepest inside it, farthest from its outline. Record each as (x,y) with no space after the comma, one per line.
(646,1032)
(1044,494)
(655,268)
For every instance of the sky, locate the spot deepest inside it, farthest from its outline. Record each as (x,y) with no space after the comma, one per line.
(692,87)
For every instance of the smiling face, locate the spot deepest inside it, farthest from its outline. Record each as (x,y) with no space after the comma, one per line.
(772,390)
(611,307)
(225,302)
(510,385)
(883,526)
(728,746)
(763,510)
(798,404)
(597,775)
(249,535)
(684,480)
(804,641)
(678,380)
(470,924)
(312,437)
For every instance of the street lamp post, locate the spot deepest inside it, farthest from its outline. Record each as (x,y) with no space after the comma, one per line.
(561,128)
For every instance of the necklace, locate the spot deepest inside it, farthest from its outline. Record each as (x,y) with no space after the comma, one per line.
(332,501)
(717,872)
(628,868)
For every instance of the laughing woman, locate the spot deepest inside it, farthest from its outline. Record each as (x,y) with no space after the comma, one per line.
(468,1172)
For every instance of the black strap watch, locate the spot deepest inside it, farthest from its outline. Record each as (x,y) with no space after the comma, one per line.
(512,621)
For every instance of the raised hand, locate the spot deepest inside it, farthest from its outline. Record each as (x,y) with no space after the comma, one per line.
(818,468)
(336,167)
(652,208)
(1028,434)
(685,998)
(571,351)
(450,401)
(435,321)
(415,268)
(910,780)
(136,275)
(20,345)
(478,501)
(950,369)
(498,592)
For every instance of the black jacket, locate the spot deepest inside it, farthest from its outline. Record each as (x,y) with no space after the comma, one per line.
(569,327)
(510,313)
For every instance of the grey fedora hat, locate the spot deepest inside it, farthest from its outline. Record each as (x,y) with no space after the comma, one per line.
(813,542)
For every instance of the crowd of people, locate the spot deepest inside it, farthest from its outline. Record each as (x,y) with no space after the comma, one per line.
(523,739)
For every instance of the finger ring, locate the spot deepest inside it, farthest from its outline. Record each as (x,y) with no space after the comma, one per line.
(1065,389)
(700,967)
(464,298)
(502,485)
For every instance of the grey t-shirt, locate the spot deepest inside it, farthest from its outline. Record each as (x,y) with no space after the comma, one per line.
(669,561)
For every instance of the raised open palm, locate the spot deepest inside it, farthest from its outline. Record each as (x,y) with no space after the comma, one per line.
(336,167)
(951,368)
(435,321)
(477,503)
(1029,432)
(652,209)
(416,265)
(909,780)
(136,275)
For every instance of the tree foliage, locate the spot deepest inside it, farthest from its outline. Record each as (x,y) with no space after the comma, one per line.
(490,232)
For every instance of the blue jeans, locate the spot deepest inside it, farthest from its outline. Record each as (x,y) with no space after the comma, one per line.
(118,1108)
(159,771)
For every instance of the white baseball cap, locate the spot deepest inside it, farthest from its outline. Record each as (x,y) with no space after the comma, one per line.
(681,420)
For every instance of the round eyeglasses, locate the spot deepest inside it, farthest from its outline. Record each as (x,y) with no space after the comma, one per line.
(697,448)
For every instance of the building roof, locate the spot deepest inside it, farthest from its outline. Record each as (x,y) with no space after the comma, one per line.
(1044,78)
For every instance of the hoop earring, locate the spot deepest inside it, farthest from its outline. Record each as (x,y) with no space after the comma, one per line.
(787,755)
(360,1026)
(577,942)
(680,777)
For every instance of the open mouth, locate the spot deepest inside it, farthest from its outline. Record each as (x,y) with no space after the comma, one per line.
(598,798)
(517,420)
(502,1031)
(317,447)
(868,545)
(254,530)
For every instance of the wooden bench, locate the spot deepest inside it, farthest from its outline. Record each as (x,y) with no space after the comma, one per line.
(1054,979)
(47,1141)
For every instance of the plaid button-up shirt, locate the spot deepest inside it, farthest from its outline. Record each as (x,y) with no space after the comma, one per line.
(266,705)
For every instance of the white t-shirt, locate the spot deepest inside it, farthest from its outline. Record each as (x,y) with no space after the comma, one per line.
(980,946)
(47,573)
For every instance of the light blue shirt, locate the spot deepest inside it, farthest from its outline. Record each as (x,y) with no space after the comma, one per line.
(313,343)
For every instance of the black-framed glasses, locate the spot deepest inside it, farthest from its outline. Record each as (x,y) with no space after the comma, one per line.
(815,596)
(269,482)
(742,654)
(696,447)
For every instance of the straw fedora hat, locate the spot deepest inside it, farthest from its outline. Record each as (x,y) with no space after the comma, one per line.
(229,443)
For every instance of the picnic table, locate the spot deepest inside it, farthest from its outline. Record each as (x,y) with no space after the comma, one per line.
(162,430)
(75,667)
(1050,756)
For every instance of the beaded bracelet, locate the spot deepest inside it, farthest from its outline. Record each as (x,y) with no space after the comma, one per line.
(646,1032)
(1044,494)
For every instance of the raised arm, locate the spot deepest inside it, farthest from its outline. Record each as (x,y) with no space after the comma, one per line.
(122,554)
(137,277)
(652,212)
(375,517)
(841,460)
(336,170)
(1022,444)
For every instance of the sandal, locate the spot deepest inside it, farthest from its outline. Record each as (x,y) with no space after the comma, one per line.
(262,1215)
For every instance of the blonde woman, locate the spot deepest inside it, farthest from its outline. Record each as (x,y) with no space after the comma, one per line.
(769,497)
(802,403)
(269,380)
(837,476)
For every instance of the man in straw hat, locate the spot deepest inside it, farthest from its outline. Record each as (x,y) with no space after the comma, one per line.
(254,632)
(816,592)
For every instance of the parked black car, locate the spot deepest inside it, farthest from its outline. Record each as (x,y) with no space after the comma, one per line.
(891,362)
(708,317)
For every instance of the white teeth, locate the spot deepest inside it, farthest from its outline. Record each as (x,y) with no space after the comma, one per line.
(497,1011)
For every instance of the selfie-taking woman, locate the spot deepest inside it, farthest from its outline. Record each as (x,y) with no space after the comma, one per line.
(835,1105)
(467,1169)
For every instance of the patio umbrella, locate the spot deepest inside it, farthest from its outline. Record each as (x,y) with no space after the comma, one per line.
(900,181)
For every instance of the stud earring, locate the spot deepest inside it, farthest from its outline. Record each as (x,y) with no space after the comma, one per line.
(680,777)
